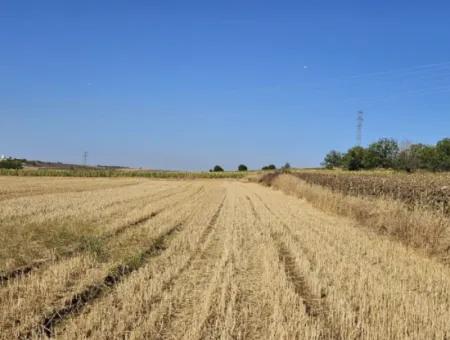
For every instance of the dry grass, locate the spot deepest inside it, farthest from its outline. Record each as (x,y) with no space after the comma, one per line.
(219,259)
(11,187)
(111,173)
(418,227)
(422,190)
(39,227)
(372,287)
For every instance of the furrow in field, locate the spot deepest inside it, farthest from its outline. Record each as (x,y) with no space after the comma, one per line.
(48,191)
(112,231)
(239,290)
(236,289)
(21,271)
(224,260)
(198,250)
(80,300)
(28,209)
(356,241)
(48,234)
(128,314)
(49,290)
(211,313)
(312,306)
(181,309)
(374,287)
(218,318)
(234,295)
(315,306)
(157,210)
(286,258)
(312,320)
(14,187)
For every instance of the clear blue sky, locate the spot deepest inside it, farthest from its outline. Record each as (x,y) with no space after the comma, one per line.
(191,84)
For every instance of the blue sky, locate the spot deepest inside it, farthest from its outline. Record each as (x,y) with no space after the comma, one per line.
(191,84)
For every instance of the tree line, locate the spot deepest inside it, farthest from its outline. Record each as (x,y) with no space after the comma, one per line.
(386,153)
(14,163)
(11,163)
(243,167)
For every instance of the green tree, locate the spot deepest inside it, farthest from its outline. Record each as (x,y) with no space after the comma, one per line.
(11,163)
(286,167)
(382,153)
(427,156)
(217,168)
(420,156)
(333,159)
(269,167)
(443,154)
(354,158)
(408,158)
(242,167)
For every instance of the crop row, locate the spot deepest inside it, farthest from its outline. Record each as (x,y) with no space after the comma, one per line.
(119,173)
(428,191)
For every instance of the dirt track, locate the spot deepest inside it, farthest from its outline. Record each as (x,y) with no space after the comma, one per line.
(218,259)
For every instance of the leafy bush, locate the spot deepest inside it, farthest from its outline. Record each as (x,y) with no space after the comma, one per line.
(11,163)
(269,167)
(242,167)
(218,168)
(333,159)
(385,153)
(416,156)
(286,167)
(443,154)
(354,158)
(381,154)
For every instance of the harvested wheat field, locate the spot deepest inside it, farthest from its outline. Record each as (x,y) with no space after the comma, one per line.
(204,259)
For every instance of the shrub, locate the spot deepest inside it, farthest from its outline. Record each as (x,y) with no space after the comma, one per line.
(386,153)
(11,163)
(333,159)
(269,167)
(406,161)
(354,158)
(416,156)
(218,168)
(381,154)
(443,154)
(286,167)
(242,167)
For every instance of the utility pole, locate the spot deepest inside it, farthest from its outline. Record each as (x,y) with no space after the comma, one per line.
(85,156)
(359,125)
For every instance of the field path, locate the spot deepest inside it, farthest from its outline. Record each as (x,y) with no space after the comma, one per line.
(237,260)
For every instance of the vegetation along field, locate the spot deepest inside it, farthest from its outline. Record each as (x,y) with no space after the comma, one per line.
(306,255)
